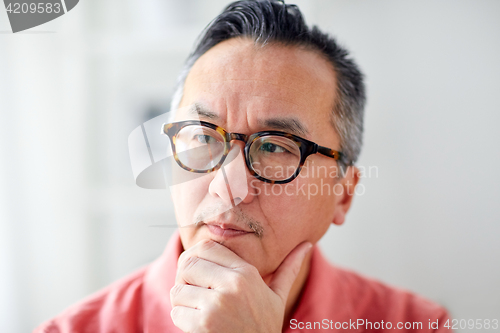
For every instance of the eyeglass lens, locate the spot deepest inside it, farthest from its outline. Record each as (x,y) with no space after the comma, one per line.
(272,157)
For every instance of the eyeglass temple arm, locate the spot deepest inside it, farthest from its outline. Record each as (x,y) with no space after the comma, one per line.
(330,152)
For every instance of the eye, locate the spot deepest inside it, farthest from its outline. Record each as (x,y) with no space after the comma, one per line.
(205,139)
(269,147)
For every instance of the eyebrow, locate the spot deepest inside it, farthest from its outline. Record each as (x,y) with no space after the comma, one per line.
(289,125)
(201,110)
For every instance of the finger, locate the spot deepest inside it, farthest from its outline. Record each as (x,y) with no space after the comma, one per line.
(190,296)
(202,273)
(185,318)
(214,252)
(287,272)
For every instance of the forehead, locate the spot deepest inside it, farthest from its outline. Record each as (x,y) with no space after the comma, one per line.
(238,78)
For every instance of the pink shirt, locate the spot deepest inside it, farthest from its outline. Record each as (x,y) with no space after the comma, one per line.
(332,298)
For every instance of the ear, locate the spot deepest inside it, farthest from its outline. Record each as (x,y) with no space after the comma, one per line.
(343,201)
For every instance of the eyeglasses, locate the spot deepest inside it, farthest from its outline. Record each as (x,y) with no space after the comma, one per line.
(271,156)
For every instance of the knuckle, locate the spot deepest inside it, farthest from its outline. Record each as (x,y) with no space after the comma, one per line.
(207,320)
(207,244)
(250,270)
(174,313)
(218,302)
(181,258)
(175,290)
(190,262)
(237,281)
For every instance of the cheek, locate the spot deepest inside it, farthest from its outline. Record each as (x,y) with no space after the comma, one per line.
(304,206)
(187,195)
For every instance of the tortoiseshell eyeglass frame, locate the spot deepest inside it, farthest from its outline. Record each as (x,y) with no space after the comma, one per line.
(306,147)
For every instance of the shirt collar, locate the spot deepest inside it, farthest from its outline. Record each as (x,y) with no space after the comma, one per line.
(325,295)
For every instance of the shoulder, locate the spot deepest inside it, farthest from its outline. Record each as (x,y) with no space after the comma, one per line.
(343,297)
(376,301)
(116,308)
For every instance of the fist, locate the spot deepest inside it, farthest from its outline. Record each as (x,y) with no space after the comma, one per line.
(217,291)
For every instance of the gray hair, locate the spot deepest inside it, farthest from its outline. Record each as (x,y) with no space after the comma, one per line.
(269,21)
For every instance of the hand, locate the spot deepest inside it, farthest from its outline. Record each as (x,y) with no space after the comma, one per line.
(217,291)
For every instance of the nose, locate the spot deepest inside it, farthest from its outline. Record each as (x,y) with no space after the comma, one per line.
(232,182)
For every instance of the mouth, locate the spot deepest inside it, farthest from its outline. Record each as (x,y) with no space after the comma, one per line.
(227,230)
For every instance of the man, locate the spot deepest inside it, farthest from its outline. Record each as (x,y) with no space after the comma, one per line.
(264,94)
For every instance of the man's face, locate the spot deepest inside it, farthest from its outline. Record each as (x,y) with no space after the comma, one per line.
(245,89)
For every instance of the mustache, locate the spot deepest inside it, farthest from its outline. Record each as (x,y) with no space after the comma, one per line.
(242,218)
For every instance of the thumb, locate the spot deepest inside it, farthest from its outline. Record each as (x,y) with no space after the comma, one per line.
(287,272)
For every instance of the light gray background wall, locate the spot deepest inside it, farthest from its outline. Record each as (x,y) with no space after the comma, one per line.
(72,220)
